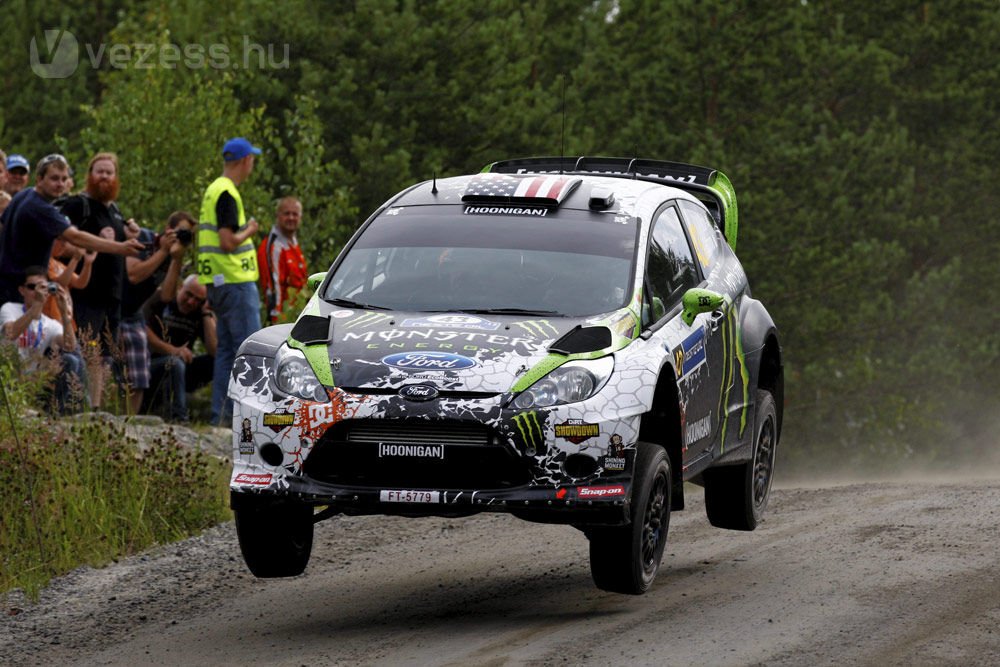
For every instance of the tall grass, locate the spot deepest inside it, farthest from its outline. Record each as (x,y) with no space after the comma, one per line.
(76,492)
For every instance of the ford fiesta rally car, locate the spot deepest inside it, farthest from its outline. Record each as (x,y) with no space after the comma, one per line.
(564,339)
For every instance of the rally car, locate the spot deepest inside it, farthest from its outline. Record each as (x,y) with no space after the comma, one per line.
(564,339)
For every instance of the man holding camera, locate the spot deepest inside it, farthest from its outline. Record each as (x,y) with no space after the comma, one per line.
(144,274)
(39,337)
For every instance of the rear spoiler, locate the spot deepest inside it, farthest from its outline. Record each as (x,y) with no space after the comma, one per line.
(709,185)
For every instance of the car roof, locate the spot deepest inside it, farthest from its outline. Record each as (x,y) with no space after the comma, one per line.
(619,185)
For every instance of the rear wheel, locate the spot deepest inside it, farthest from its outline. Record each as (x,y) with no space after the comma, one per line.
(625,559)
(276,539)
(736,496)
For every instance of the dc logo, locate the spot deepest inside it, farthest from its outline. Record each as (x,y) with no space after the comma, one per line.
(62,55)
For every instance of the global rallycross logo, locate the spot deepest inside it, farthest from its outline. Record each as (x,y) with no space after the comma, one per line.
(58,57)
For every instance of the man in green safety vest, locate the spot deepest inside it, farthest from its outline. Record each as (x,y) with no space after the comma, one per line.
(227,265)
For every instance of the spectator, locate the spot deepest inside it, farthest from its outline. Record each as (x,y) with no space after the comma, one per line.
(31,223)
(144,273)
(172,327)
(227,264)
(98,305)
(65,273)
(280,259)
(4,197)
(17,174)
(38,336)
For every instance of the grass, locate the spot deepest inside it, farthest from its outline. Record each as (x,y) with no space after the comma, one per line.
(75,492)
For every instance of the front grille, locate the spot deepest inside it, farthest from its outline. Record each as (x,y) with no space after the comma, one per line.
(352,453)
(418,433)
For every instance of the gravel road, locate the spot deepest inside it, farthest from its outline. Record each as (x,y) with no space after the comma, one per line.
(901,573)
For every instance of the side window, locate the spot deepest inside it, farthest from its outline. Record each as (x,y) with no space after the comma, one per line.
(704,234)
(670,270)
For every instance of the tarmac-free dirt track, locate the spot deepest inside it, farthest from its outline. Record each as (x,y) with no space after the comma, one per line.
(900,573)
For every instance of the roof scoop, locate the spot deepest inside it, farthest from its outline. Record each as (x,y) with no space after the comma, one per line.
(547,190)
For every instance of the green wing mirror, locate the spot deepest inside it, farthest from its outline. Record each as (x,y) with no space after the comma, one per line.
(697,301)
(315,280)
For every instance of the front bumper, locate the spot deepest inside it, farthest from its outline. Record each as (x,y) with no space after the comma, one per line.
(566,464)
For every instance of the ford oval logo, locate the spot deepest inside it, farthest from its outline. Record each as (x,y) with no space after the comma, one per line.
(428,361)
(418,392)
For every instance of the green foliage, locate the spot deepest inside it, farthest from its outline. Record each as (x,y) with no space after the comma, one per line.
(84,493)
(860,139)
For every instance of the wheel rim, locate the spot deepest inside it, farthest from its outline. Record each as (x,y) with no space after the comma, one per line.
(654,523)
(763,465)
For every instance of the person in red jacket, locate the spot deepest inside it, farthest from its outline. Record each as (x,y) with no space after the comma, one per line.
(280,259)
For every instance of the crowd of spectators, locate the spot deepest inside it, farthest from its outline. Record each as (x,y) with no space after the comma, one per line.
(88,293)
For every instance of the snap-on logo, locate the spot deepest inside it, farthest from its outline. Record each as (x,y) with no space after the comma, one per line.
(428,361)
(256,479)
(601,491)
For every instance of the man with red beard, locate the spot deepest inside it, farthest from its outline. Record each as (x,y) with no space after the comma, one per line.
(97,307)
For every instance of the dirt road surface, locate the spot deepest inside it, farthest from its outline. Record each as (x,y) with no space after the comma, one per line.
(901,573)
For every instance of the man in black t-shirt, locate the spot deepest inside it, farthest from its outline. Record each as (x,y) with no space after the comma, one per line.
(172,328)
(97,307)
(31,223)
(144,274)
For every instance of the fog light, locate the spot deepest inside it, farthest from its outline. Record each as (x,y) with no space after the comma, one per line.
(579,466)
(272,454)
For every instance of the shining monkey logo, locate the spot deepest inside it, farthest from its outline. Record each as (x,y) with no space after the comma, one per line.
(530,428)
(616,447)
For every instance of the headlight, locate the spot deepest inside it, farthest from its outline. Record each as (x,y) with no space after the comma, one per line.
(571,382)
(294,376)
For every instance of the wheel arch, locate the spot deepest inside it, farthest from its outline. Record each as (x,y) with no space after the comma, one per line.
(661,425)
(763,353)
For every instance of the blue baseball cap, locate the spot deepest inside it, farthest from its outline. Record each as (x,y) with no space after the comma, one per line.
(15,160)
(237,149)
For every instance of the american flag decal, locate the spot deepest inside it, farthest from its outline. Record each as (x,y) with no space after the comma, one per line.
(549,190)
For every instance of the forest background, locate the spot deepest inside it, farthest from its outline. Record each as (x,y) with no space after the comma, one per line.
(860,139)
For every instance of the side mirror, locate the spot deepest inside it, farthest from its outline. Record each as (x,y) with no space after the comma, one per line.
(697,301)
(315,280)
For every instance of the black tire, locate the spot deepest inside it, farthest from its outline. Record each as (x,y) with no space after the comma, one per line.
(625,559)
(736,496)
(276,539)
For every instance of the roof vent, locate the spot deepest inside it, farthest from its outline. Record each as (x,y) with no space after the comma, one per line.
(601,199)
(549,190)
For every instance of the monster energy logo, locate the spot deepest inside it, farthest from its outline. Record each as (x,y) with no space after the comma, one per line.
(539,328)
(368,319)
(531,431)
(732,346)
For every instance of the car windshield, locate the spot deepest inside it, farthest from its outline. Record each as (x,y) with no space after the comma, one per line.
(435,258)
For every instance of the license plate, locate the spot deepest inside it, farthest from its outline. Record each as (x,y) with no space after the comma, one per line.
(410,496)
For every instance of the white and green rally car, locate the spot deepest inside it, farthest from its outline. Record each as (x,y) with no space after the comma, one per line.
(564,339)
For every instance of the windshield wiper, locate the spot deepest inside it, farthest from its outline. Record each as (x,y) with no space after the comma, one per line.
(347,303)
(508,311)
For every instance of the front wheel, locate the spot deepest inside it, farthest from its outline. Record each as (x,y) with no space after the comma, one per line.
(276,539)
(625,559)
(736,496)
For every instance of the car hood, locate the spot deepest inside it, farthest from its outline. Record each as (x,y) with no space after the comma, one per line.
(450,351)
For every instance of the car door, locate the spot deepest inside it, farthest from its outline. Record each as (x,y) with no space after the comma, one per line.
(671,270)
(723,274)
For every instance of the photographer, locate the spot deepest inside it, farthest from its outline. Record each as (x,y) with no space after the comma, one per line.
(39,337)
(144,274)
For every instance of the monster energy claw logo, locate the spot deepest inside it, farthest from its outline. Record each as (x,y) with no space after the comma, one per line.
(539,328)
(531,431)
